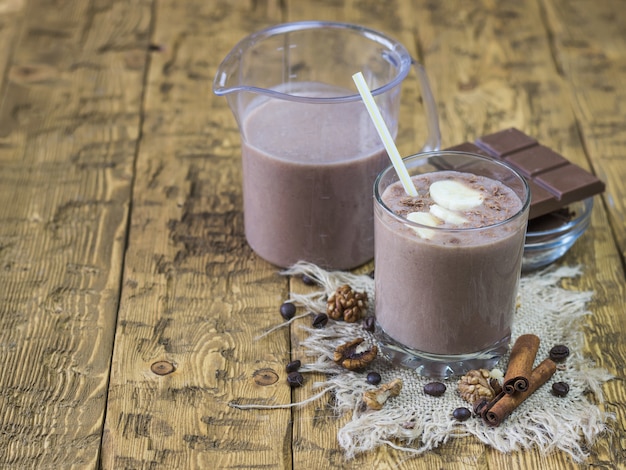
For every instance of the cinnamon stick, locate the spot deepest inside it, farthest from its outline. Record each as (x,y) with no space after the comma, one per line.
(521,362)
(504,404)
(484,409)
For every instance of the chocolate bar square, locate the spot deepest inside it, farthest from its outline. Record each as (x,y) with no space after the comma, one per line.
(535,160)
(567,183)
(502,143)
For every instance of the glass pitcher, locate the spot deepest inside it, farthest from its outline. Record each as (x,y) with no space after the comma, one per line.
(310,152)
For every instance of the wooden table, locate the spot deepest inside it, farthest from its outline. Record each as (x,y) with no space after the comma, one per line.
(129,298)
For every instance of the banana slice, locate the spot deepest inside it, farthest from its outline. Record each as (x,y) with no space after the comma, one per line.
(424,218)
(447,215)
(454,195)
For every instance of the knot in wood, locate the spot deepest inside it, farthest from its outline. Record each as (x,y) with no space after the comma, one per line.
(265,377)
(162,367)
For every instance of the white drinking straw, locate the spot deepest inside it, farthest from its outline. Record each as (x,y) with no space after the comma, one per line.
(384,134)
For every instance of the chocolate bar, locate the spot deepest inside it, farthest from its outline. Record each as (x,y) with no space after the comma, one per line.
(554,181)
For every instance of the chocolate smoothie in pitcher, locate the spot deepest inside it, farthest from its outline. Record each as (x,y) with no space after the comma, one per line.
(310,151)
(307,194)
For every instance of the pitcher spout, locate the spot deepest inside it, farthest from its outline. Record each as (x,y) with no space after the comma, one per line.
(227,73)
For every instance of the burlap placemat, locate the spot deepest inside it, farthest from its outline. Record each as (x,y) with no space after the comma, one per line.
(416,422)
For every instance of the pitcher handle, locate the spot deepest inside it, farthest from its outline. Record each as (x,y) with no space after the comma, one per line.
(433,141)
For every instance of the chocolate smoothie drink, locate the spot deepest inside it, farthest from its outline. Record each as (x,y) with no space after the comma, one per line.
(448,263)
(308,176)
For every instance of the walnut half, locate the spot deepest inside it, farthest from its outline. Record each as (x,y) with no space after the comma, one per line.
(346,304)
(355,355)
(476,385)
(375,399)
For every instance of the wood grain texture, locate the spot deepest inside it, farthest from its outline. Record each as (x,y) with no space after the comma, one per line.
(589,52)
(315,428)
(588,47)
(69,124)
(194,295)
(11,16)
(130,302)
(492,66)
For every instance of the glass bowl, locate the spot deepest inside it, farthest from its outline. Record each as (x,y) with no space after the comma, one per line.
(550,236)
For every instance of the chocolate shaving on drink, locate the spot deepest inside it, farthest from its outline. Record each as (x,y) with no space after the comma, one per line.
(503,405)
(523,353)
(554,181)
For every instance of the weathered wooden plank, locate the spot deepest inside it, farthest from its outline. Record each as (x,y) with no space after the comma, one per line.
(491,67)
(11,15)
(315,427)
(494,68)
(194,295)
(69,123)
(589,47)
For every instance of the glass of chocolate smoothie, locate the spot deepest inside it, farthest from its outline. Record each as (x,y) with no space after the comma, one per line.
(310,152)
(448,262)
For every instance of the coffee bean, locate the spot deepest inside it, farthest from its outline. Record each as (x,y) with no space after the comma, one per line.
(560,389)
(308,280)
(369,324)
(373,378)
(320,320)
(435,389)
(461,414)
(293,366)
(295,379)
(559,353)
(288,310)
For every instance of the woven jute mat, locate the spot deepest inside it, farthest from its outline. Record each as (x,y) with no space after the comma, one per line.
(415,422)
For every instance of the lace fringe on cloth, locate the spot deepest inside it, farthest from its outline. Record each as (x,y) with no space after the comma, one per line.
(415,422)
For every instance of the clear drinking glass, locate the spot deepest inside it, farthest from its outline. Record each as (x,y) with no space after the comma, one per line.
(310,152)
(445,299)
